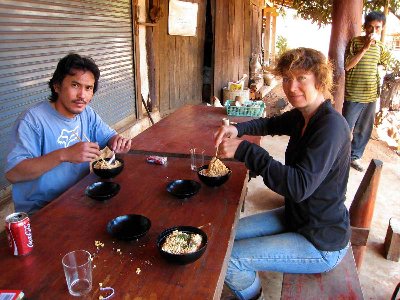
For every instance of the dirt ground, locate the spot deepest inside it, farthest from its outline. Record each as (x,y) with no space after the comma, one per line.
(378,276)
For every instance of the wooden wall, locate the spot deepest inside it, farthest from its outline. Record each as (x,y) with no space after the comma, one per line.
(178,62)
(229,45)
(237,35)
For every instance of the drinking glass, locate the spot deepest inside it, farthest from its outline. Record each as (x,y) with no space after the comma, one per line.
(196,158)
(78,272)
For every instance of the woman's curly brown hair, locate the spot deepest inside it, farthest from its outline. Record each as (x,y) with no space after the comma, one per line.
(309,60)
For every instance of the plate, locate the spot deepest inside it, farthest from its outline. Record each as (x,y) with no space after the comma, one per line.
(102,190)
(183,188)
(129,227)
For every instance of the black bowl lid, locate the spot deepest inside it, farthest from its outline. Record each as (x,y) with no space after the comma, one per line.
(102,190)
(183,188)
(129,227)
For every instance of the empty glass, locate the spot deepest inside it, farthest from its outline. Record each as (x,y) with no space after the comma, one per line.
(78,272)
(196,158)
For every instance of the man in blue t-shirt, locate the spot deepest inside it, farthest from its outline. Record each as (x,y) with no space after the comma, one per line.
(54,141)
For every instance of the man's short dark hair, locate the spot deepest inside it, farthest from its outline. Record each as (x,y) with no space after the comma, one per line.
(67,65)
(375,16)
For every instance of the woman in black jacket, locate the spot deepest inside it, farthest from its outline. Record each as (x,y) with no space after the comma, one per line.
(311,233)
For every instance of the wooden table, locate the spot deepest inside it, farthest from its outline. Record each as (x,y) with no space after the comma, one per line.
(191,126)
(74,221)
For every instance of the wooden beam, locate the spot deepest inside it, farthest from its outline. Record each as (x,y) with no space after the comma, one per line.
(267,38)
(346,23)
(363,205)
(359,236)
(273,38)
(386,12)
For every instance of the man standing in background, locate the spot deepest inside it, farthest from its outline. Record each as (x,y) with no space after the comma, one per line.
(362,57)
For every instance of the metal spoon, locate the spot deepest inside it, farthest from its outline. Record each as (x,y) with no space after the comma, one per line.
(112,159)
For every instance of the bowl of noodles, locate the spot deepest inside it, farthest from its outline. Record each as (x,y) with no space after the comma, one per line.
(182,244)
(104,169)
(215,173)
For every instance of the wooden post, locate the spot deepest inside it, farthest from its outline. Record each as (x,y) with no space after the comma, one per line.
(386,12)
(362,207)
(346,23)
(267,37)
(273,39)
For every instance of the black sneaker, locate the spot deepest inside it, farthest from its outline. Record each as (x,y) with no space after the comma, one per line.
(356,164)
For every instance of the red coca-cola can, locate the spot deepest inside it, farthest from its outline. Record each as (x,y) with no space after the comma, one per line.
(19,233)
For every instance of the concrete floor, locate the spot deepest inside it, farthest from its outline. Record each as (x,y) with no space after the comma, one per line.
(378,276)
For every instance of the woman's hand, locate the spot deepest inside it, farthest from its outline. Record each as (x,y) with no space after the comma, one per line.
(228,146)
(225,131)
(225,141)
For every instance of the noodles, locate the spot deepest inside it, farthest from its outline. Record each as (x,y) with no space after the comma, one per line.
(216,168)
(102,164)
(179,242)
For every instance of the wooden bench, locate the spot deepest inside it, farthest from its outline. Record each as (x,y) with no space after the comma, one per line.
(342,282)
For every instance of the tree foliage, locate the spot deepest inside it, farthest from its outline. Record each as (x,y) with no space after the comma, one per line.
(320,11)
(281,45)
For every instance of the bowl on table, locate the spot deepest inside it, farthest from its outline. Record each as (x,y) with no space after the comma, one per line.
(102,190)
(212,181)
(183,188)
(110,171)
(129,227)
(183,258)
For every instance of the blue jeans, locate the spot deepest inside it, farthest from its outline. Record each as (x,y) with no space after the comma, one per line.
(263,244)
(360,117)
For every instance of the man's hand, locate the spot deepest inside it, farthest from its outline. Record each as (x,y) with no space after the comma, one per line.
(81,152)
(370,39)
(33,168)
(352,61)
(119,144)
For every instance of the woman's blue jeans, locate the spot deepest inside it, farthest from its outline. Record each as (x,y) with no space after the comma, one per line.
(263,244)
(360,117)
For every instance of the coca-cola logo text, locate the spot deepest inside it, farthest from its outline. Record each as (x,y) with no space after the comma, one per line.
(28,233)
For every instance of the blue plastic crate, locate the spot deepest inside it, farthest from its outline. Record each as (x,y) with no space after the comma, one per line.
(249,108)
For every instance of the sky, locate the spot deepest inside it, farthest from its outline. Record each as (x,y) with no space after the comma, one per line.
(302,33)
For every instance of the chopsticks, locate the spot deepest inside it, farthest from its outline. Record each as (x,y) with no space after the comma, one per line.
(87,139)
(216,152)
(77,136)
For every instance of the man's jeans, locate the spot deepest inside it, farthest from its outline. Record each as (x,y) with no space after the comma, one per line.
(360,117)
(262,244)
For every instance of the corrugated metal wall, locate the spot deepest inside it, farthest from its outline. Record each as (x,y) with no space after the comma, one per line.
(34,35)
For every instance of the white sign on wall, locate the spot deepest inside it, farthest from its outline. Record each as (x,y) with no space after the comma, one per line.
(182,18)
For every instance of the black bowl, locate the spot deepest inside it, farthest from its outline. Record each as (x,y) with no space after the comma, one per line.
(213,181)
(108,173)
(102,190)
(183,188)
(128,227)
(182,259)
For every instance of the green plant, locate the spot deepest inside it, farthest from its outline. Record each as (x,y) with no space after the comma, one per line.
(281,45)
